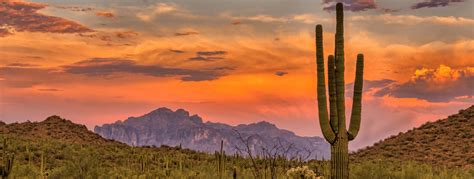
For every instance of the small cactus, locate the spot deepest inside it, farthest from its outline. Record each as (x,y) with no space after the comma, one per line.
(234,173)
(42,173)
(8,159)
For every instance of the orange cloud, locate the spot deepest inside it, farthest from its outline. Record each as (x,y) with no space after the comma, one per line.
(413,20)
(443,84)
(105,14)
(23,16)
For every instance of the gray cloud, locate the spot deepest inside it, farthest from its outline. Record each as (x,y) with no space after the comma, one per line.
(369,85)
(4,32)
(211,53)
(23,16)
(281,73)
(21,65)
(25,77)
(186,33)
(106,67)
(202,58)
(49,90)
(350,5)
(105,14)
(176,51)
(434,3)
(434,86)
(208,55)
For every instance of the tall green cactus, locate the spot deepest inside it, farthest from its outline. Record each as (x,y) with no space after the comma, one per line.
(334,126)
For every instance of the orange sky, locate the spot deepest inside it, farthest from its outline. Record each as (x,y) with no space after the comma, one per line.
(96,62)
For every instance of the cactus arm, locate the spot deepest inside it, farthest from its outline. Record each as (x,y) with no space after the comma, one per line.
(332,93)
(328,133)
(357,99)
(340,69)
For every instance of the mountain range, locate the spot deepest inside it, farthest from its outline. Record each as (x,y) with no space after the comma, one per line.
(178,128)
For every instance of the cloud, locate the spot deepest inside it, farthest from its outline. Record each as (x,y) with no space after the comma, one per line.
(305,18)
(25,77)
(211,53)
(21,65)
(442,84)
(208,55)
(201,58)
(105,14)
(23,16)
(434,3)
(158,9)
(236,22)
(126,34)
(4,31)
(176,51)
(369,85)
(413,20)
(49,89)
(281,73)
(163,9)
(75,8)
(186,32)
(107,67)
(350,5)
(388,10)
(266,18)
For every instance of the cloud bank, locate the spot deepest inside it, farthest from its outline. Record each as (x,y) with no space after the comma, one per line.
(442,84)
(24,16)
(434,3)
(350,5)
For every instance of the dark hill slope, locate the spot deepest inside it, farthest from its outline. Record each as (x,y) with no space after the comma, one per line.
(54,127)
(446,142)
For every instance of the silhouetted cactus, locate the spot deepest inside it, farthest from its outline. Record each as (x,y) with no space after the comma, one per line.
(8,159)
(221,161)
(234,173)
(334,128)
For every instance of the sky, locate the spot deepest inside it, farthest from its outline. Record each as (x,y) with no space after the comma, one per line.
(235,61)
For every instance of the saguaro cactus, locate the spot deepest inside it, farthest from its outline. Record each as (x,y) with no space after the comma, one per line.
(221,161)
(334,126)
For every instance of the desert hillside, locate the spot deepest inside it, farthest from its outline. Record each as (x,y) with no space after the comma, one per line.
(446,142)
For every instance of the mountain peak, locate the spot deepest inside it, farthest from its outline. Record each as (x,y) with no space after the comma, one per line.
(161,110)
(164,112)
(265,124)
(54,118)
(165,127)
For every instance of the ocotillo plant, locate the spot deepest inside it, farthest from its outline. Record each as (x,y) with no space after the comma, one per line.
(7,160)
(334,128)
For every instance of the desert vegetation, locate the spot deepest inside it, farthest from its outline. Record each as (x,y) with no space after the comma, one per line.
(78,153)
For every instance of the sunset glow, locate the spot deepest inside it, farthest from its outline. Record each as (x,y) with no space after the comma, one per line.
(99,61)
